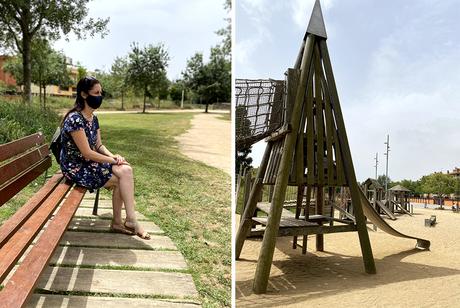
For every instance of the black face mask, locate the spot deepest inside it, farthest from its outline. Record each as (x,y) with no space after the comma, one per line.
(94,101)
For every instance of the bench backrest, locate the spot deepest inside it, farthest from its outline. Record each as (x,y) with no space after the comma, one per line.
(21,162)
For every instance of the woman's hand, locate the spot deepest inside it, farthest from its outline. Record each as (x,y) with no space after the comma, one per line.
(120,159)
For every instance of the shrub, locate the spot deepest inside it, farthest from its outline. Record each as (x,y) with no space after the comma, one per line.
(18,120)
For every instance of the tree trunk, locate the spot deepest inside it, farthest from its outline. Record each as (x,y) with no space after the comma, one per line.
(145,96)
(206,110)
(44,97)
(40,94)
(159,102)
(26,68)
(122,94)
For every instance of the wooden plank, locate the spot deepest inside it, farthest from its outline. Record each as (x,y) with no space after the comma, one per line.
(20,286)
(11,188)
(286,222)
(10,226)
(310,133)
(12,250)
(85,256)
(340,176)
(15,147)
(50,300)
(319,120)
(62,279)
(103,225)
(350,175)
(265,207)
(308,230)
(116,240)
(22,163)
(330,127)
(250,209)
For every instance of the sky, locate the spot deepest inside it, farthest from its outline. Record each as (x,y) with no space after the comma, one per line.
(397,69)
(184,27)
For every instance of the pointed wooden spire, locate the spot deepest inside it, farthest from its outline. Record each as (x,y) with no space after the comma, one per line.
(316,25)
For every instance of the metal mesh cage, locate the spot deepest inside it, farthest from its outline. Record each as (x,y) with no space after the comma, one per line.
(259,109)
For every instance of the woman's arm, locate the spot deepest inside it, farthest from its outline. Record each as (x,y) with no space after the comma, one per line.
(80,140)
(104,151)
(100,147)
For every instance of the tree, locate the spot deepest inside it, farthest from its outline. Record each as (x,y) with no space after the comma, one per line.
(21,21)
(209,82)
(242,159)
(226,32)
(175,90)
(48,67)
(438,183)
(382,179)
(81,71)
(119,73)
(147,69)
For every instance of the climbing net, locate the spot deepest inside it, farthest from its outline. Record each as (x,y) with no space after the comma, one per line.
(259,109)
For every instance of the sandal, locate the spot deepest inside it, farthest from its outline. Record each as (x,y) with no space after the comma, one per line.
(145,235)
(120,229)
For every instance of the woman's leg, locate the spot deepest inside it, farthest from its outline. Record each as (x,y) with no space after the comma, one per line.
(117,201)
(126,188)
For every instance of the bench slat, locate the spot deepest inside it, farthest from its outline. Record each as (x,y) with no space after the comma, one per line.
(10,226)
(15,147)
(13,187)
(12,250)
(22,163)
(21,285)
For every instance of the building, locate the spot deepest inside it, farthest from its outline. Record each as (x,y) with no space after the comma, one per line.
(51,89)
(4,76)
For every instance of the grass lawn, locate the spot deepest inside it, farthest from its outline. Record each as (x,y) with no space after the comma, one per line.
(190,201)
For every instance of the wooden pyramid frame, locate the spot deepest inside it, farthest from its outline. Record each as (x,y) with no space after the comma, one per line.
(312,153)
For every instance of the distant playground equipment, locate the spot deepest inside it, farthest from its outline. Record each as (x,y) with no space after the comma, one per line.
(307,148)
(375,192)
(399,199)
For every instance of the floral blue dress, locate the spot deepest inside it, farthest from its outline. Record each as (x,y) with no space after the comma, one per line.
(74,166)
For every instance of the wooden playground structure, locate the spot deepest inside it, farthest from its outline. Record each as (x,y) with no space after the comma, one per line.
(307,148)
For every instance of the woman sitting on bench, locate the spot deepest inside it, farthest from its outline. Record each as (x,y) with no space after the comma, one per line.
(88,163)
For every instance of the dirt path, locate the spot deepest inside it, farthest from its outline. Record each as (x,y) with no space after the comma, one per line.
(208,141)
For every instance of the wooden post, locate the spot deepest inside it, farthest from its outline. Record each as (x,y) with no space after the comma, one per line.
(319,211)
(350,175)
(246,220)
(306,215)
(271,231)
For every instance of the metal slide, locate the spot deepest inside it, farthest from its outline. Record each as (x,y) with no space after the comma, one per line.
(386,210)
(375,218)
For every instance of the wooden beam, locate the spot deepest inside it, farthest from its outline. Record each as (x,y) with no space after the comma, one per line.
(268,243)
(21,285)
(15,147)
(250,208)
(350,176)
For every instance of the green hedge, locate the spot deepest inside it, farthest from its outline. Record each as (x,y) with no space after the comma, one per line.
(18,120)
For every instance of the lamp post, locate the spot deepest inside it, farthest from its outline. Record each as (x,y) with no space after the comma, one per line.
(386,172)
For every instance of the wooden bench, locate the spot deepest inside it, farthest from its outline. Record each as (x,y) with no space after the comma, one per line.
(21,162)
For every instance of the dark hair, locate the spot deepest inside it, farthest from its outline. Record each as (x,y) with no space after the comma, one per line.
(84,85)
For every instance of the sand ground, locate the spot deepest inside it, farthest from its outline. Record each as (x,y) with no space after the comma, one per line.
(208,141)
(406,277)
